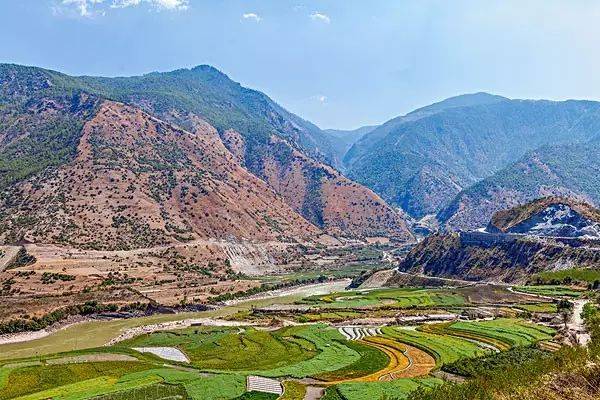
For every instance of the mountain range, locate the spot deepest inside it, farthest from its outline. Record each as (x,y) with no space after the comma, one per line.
(466,152)
(168,156)
(188,154)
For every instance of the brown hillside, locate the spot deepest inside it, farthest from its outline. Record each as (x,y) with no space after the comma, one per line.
(321,194)
(137,182)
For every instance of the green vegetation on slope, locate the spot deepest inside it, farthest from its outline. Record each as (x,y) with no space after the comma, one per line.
(566,277)
(230,349)
(27,380)
(472,367)
(550,290)
(513,332)
(371,360)
(403,297)
(398,389)
(444,348)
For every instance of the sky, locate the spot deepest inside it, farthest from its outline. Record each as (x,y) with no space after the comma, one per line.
(340,64)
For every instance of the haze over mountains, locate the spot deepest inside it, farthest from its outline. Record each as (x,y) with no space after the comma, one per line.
(433,160)
(187,154)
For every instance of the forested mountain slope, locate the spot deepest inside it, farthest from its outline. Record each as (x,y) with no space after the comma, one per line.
(423,160)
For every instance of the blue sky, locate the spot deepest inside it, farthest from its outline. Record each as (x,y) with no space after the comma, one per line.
(340,64)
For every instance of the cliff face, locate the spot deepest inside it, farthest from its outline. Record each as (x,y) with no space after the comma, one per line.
(548,233)
(509,260)
(553,216)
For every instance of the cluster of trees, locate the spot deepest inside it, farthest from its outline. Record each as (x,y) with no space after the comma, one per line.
(37,323)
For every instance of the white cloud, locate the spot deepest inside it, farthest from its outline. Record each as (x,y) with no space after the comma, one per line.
(320,98)
(319,16)
(159,4)
(124,3)
(84,8)
(171,4)
(92,8)
(252,16)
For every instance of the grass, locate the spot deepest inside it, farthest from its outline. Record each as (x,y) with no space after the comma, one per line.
(333,354)
(97,333)
(229,350)
(159,391)
(398,389)
(566,276)
(293,391)
(444,348)
(539,308)
(481,366)
(371,360)
(257,396)
(118,380)
(550,290)
(403,298)
(513,332)
(27,380)
(299,351)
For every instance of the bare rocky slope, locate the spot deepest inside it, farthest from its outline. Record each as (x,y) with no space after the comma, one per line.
(137,182)
(168,157)
(547,234)
(549,216)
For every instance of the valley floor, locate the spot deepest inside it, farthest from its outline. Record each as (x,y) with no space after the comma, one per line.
(315,341)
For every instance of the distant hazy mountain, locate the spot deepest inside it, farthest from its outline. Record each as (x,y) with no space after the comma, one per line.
(421,161)
(342,140)
(571,170)
(252,169)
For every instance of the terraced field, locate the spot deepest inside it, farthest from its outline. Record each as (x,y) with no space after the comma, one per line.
(550,290)
(444,348)
(353,362)
(512,332)
(233,349)
(403,298)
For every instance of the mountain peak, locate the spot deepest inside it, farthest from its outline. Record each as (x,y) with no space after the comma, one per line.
(463,100)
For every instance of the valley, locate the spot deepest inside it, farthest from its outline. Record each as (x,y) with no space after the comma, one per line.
(321,339)
(176,235)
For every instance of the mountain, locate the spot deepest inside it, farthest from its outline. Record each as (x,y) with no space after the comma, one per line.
(546,234)
(139,182)
(155,140)
(422,160)
(551,217)
(342,140)
(567,170)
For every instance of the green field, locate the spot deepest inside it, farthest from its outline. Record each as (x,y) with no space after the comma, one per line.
(512,332)
(403,298)
(371,360)
(444,348)
(550,290)
(398,389)
(299,351)
(115,380)
(539,308)
(233,349)
(566,276)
